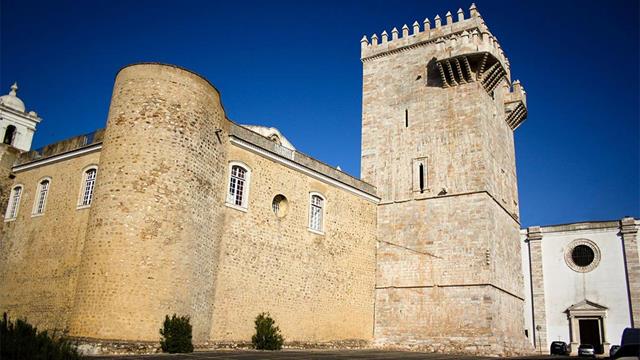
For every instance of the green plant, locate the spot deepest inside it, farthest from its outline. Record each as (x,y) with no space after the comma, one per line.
(176,335)
(21,340)
(267,335)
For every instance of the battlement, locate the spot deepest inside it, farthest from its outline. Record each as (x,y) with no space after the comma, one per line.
(515,105)
(452,39)
(61,147)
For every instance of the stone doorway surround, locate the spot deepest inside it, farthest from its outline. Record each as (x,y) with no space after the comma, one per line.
(586,310)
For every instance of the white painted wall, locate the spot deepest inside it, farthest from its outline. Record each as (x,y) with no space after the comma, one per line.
(605,285)
(25,127)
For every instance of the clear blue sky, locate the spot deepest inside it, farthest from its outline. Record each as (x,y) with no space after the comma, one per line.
(295,65)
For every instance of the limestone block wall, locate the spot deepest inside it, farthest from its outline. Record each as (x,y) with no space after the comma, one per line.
(157,217)
(467,214)
(40,255)
(437,289)
(460,130)
(318,288)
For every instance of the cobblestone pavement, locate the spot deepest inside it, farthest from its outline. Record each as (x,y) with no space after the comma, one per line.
(309,354)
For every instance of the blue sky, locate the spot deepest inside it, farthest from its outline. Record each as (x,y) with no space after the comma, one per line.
(295,65)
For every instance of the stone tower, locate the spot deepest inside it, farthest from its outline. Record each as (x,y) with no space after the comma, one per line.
(438,115)
(156,219)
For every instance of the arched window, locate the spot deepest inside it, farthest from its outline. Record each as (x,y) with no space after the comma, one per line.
(88,185)
(9,134)
(14,203)
(41,197)
(316,212)
(238,185)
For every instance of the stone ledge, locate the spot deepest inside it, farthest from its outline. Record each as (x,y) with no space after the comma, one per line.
(88,346)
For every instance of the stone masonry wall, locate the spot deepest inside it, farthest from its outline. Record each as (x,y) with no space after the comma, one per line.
(435,289)
(8,155)
(318,288)
(157,218)
(467,215)
(40,255)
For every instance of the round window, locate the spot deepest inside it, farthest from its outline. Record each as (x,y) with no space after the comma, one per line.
(582,255)
(280,205)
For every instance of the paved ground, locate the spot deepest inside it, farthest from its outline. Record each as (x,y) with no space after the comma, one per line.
(308,354)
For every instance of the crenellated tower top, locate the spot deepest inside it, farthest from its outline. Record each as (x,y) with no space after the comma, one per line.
(465,51)
(448,33)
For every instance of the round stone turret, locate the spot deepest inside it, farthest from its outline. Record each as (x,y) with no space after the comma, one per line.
(156,219)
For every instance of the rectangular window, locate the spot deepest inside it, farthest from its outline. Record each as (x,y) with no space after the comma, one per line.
(236,185)
(43,190)
(14,203)
(316,213)
(89,184)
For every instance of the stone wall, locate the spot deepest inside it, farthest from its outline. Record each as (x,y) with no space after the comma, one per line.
(438,291)
(461,231)
(158,238)
(157,217)
(40,255)
(318,288)
(8,155)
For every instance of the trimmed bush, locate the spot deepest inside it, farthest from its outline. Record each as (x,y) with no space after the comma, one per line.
(267,335)
(21,340)
(176,335)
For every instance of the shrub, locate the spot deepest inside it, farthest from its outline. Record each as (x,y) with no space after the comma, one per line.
(21,340)
(267,335)
(176,335)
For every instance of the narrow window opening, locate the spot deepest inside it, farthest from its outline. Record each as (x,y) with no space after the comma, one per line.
(88,187)
(421,176)
(43,191)
(316,215)
(9,134)
(406,118)
(14,202)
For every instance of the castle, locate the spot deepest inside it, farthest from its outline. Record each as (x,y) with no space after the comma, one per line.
(174,208)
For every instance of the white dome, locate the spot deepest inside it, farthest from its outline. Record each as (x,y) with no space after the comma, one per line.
(11,100)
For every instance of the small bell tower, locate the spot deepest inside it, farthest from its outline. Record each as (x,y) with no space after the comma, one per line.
(17,126)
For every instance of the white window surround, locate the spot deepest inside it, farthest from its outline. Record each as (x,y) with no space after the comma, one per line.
(82,204)
(317,220)
(230,198)
(14,202)
(41,195)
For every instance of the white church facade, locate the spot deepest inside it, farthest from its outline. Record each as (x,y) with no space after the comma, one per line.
(579,282)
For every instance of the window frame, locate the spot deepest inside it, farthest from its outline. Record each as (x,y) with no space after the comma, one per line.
(34,211)
(10,204)
(83,182)
(323,213)
(229,200)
